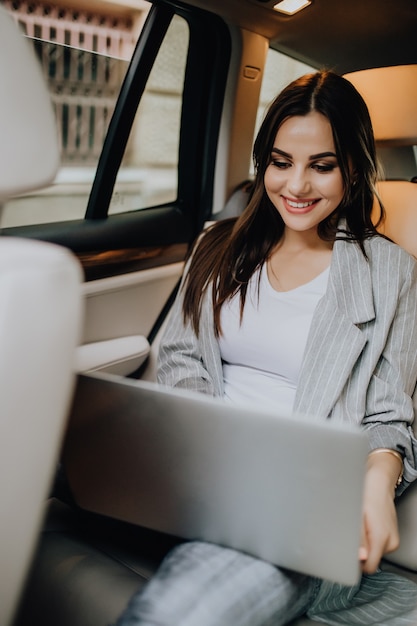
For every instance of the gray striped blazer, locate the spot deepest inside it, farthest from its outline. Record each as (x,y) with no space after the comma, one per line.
(360,361)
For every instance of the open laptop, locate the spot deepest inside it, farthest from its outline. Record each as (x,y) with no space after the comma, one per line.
(285,489)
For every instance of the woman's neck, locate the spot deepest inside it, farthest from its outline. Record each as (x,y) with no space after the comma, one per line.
(298,258)
(299,241)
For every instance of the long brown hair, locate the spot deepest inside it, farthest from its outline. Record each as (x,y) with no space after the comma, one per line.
(230,251)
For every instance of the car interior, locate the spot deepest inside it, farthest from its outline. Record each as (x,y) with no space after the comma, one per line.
(93,293)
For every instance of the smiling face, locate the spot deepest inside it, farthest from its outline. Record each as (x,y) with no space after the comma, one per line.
(303,179)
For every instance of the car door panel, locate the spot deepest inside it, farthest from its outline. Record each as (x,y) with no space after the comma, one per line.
(121,356)
(120,313)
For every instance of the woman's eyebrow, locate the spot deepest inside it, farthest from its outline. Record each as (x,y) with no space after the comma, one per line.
(282,153)
(313,157)
(322,155)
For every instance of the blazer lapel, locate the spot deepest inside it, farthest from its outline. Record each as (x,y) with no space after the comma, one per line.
(335,341)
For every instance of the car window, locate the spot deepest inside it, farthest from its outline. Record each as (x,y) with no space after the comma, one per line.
(280,70)
(148,175)
(84,60)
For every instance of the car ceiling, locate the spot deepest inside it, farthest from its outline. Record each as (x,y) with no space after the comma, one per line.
(344,35)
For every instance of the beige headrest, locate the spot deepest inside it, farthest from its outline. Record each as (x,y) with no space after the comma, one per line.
(391,96)
(399,198)
(29,151)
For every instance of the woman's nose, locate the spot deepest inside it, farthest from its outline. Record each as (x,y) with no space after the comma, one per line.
(298,182)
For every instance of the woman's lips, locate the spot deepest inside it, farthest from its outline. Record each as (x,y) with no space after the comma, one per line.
(299,206)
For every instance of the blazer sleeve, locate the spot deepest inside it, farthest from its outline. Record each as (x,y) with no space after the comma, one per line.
(390,409)
(180,359)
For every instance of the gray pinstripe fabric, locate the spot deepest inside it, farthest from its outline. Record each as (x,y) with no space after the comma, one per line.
(360,363)
(383,599)
(201,584)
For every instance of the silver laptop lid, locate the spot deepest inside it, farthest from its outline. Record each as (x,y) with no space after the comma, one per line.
(285,489)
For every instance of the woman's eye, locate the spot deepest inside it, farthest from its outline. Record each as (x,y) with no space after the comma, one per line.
(323,167)
(282,165)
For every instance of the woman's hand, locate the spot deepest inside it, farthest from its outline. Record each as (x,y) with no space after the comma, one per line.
(379,523)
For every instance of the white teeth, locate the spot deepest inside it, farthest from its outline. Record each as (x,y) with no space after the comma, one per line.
(300,205)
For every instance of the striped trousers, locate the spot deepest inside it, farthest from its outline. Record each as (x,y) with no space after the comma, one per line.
(201,584)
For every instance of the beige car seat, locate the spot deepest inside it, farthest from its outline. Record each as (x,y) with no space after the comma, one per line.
(40,315)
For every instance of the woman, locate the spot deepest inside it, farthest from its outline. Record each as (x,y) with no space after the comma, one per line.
(299,303)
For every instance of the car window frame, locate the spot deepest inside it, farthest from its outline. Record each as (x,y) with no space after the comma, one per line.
(204,87)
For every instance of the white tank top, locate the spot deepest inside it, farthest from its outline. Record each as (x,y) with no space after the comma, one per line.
(262,356)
